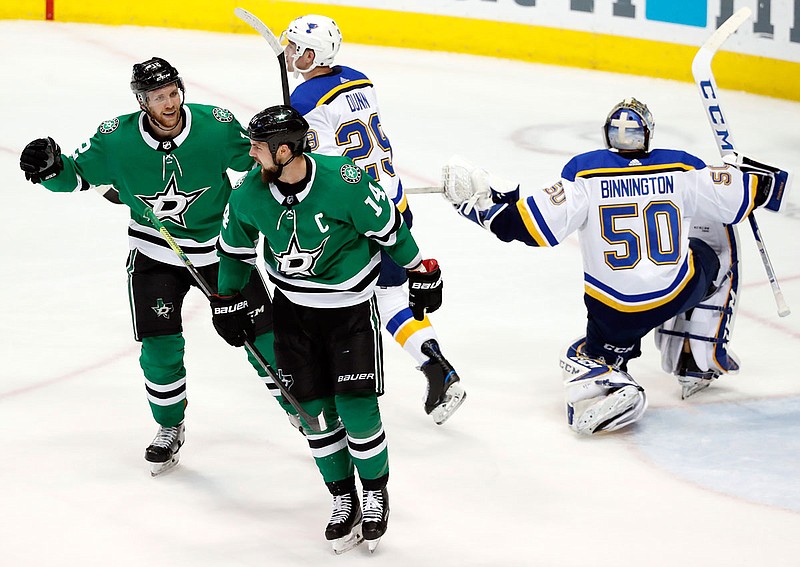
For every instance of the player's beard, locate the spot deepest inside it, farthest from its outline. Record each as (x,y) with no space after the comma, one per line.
(270,175)
(168,124)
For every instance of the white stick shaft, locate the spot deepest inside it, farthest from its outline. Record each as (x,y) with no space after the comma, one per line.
(422,190)
(704,78)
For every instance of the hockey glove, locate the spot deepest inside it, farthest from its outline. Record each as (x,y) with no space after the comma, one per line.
(425,289)
(231,319)
(771,182)
(41,160)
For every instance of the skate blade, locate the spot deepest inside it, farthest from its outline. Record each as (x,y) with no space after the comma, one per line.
(691,386)
(373,544)
(348,542)
(455,397)
(157,469)
(614,405)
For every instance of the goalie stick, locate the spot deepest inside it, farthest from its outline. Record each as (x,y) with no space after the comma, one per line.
(316,423)
(422,190)
(273,42)
(704,79)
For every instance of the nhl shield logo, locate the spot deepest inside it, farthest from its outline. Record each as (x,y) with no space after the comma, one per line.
(222,114)
(109,126)
(350,173)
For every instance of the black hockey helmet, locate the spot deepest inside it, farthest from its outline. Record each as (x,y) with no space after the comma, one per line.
(153,74)
(278,125)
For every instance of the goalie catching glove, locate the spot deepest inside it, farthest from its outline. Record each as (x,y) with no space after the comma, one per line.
(232,320)
(477,194)
(41,160)
(425,289)
(771,182)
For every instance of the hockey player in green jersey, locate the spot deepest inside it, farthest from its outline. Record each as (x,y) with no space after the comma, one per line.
(324,223)
(171,157)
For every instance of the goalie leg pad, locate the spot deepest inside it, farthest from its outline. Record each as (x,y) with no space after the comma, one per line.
(694,344)
(599,397)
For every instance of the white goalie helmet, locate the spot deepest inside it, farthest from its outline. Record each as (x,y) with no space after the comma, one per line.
(629,126)
(318,33)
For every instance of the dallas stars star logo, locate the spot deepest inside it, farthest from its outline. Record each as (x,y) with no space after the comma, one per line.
(296,262)
(286,379)
(171,203)
(162,309)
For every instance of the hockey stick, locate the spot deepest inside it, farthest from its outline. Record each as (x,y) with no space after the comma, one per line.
(422,190)
(273,42)
(316,423)
(704,78)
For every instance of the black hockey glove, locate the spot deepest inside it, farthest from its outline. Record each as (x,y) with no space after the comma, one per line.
(41,160)
(231,319)
(425,289)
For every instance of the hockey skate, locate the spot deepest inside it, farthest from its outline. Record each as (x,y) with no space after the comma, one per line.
(164,452)
(344,527)
(691,378)
(376,516)
(612,407)
(445,393)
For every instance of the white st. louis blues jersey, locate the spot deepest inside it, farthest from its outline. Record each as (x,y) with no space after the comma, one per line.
(342,112)
(633,218)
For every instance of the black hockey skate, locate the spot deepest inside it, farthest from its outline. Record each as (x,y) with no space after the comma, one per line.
(445,393)
(376,516)
(691,378)
(164,452)
(344,527)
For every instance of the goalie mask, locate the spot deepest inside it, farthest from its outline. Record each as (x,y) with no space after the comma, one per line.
(629,127)
(317,33)
(151,75)
(278,125)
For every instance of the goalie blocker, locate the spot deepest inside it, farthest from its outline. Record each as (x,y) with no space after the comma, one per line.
(771,183)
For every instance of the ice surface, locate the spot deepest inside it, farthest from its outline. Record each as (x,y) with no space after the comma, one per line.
(712,480)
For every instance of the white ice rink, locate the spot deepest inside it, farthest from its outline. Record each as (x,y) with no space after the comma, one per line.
(712,481)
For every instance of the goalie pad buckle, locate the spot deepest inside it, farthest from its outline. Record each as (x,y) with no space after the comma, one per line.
(599,397)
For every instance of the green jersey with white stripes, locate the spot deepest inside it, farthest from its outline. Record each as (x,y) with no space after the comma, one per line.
(322,245)
(183,180)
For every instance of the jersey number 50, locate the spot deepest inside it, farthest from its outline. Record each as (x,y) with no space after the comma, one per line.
(362,139)
(662,227)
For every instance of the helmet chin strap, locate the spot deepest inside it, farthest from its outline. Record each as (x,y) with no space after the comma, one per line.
(280,166)
(297,55)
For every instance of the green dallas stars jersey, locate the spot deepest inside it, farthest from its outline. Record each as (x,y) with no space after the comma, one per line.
(183,180)
(321,246)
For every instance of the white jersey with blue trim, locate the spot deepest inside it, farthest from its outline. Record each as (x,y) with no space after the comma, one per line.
(633,217)
(342,112)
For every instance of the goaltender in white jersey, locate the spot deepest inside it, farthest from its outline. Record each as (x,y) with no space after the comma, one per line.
(341,108)
(659,247)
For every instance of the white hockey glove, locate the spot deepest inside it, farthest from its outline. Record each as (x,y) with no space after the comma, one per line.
(772,182)
(463,183)
(477,194)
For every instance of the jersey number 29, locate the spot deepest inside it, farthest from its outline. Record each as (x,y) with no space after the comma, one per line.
(362,139)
